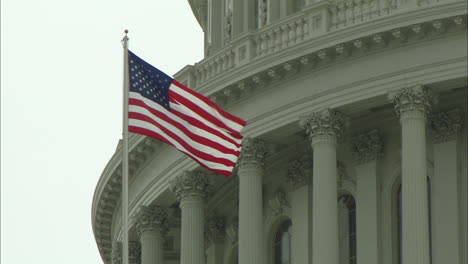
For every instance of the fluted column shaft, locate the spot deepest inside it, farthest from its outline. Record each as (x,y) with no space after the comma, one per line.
(414,189)
(150,223)
(324,203)
(192,239)
(250,202)
(151,247)
(191,188)
(412,105)
(324,128)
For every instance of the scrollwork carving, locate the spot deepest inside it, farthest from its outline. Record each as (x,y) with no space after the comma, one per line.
(367,147)
(326,125)
(416,100)
(299,172)
(253,154)
(190,184)
(149,218)
(445,125)
(278,203)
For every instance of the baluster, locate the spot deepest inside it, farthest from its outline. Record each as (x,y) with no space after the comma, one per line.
(271,41)
(341,14)
(233,59)
(349,12)
(299,32)
(277,36)
(358,11)
(334,17)
(264,44)
(284,36)
(291,34)
(366,10)
(305,28)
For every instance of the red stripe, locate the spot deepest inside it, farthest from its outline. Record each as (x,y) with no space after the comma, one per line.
(195,152)
(199,124)
(185,130)
(178,99)
(150,133)
(210,103)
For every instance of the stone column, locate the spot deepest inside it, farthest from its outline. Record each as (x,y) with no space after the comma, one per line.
(191,188)
(411,105)
(214,238)
(150,222)
(446,231)
(251,170)
(367,148)
(323,129)
(298,176)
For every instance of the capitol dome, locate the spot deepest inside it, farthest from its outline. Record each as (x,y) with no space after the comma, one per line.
(355,148)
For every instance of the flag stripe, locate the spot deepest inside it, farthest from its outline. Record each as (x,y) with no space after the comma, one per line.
(193,124)
(175,141)
(210,104)
(223,170)
(178,99)
(138,110)
(184,112)
(207,105)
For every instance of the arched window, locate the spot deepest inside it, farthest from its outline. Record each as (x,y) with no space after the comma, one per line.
(399,221)
(282,243)
(347,229)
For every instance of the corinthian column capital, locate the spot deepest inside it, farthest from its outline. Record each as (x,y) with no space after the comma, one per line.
(253,154)
(414,101)
(445,125)
(367,147)
(190,184)
(151,218)
(326,125)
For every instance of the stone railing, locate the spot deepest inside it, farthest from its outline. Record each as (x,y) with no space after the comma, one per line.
(313,21)
(277,36)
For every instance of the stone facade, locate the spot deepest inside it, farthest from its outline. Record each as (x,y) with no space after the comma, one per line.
(362,102)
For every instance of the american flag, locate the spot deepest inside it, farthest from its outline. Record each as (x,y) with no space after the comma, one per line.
(164,109)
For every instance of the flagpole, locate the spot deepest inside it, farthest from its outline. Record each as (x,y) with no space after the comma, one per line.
(125,154)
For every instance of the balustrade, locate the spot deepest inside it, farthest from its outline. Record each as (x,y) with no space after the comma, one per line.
(313,21)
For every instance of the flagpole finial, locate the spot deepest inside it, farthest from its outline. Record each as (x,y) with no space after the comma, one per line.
(125,38)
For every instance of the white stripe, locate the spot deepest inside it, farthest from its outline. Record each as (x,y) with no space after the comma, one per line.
(189,112)
(231,124)
(195,144)
(151,127)
(186,124)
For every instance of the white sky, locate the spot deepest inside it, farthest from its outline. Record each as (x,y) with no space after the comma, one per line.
(61,107)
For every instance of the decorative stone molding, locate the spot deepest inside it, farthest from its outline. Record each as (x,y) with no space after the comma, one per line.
(116,253)
(445,125)
(253,154)
(412,100)
(299,171)
(233,231)
(278,203)
(324,125)
(134,252)
(367,147)
(343,175)
(190,184)
(149,218)
(215,230)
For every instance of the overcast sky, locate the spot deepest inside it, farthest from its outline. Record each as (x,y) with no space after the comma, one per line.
(61,108)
